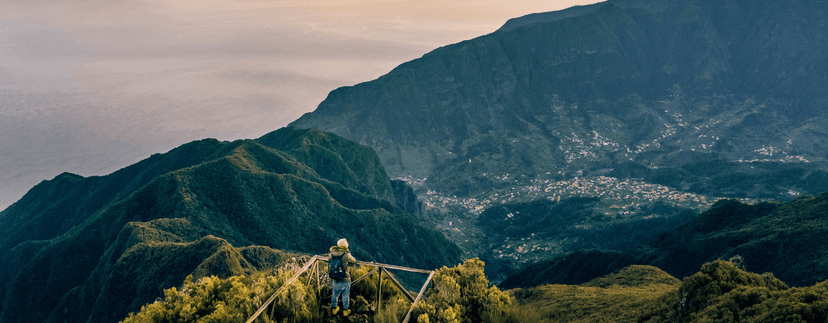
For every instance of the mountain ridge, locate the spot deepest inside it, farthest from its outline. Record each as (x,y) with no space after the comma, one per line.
(226,208)
(543,17)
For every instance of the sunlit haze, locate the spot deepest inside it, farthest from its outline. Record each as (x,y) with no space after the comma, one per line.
(90,87)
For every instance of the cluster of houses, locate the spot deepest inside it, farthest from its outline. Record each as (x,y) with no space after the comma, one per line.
(623,196)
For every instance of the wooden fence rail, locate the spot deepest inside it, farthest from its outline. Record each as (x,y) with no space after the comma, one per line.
(313,266)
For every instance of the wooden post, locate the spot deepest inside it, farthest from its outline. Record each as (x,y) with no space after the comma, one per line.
(318,280)
(379,292)
(272,312)
(420,295)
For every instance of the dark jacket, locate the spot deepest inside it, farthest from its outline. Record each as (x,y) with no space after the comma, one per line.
(347,260)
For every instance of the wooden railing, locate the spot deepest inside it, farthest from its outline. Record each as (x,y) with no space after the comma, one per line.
(313,266)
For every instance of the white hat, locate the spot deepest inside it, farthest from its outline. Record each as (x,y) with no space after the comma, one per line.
(342,243)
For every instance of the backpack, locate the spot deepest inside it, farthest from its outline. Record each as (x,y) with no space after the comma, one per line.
(336,269)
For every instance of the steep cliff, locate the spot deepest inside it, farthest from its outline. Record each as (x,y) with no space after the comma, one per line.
(583,90)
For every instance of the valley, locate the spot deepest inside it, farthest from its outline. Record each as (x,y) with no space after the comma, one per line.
(613,203)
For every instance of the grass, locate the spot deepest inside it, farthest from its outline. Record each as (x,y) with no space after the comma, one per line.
(624,296)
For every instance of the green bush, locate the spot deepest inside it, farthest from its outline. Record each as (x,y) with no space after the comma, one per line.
(235,299)
(720,292)
(462,294)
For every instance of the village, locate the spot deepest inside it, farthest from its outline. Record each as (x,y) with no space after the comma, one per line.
(621,200)
(622,197)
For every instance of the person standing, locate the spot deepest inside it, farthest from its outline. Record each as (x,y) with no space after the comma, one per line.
(340,259)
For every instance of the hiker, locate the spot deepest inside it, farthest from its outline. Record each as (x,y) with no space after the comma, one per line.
(338,271)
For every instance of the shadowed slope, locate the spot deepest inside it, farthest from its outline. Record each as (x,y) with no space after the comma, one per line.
(588,88)
(788,239)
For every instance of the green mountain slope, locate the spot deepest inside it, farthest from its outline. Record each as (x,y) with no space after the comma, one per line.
(787,239)
(718,292)
(212,208)
(584,91)
(623,296)
(73,198)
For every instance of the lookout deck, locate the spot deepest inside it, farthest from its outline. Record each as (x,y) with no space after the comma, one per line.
(312,268)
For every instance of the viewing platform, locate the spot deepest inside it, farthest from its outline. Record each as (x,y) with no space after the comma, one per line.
(312,268)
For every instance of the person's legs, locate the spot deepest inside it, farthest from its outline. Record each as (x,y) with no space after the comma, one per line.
(346,293)
(336,290)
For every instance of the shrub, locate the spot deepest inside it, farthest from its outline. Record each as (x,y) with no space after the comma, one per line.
(462,294)
(235,299)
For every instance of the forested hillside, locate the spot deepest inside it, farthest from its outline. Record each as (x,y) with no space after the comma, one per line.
(92,249)
(788,239)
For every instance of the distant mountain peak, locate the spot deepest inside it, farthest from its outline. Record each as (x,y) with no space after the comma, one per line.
(585,89)
(545,17)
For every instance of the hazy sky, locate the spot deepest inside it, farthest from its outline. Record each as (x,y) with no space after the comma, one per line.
(92,86)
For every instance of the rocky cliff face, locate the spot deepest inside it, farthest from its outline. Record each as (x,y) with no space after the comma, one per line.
(406,198)
(577,92)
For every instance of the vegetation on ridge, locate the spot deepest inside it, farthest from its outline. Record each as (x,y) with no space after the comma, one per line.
(460,294)
(720,291)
